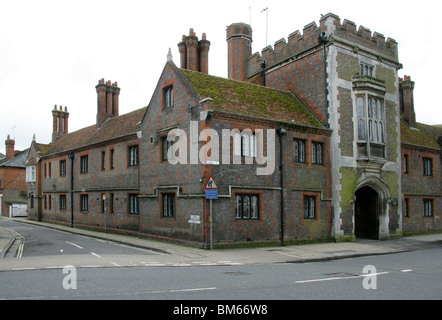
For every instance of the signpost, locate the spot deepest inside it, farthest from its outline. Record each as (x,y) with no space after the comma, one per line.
(211,194)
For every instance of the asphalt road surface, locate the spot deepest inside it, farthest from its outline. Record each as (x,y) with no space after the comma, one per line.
(113,271)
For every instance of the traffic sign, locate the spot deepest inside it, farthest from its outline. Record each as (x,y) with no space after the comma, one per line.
(211,184)
(211,194)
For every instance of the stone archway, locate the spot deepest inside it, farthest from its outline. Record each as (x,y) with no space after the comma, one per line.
(371,214)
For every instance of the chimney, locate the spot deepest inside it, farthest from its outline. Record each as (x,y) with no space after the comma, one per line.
(183,53)
(10,153)
(107,101)
(203,49)
(59,122)
(194,54)
(239,49)
(406,87)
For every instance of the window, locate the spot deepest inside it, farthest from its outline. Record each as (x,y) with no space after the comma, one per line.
(317,153)
(405,163)
(375,123)
(299,150)
(370,126)
(427,166)
(428,208)
(50,169)
(168,206)
(84,164)
(168,97)
(166,143)
(84,202)
(366,70)
(62,202)
(31,174)
(111,160)
(374,108)
(62,168)
(103,160)
(133,204)
(406,207)
(247,207)
(309,207)
(133,156)
(245,145)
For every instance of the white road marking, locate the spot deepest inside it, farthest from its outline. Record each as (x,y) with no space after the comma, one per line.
(75,245)
(96,255)
(342,278)
(406,270)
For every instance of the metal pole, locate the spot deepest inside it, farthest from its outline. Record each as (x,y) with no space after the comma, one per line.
(211,226)
(104,209)
(281,131)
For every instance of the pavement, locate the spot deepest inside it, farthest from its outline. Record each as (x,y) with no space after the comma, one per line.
(173,253)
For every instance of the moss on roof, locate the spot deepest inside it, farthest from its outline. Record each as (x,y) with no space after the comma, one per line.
(249,99)
(417,137)
(113,128)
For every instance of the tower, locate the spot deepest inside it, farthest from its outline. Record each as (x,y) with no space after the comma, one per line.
(239,44)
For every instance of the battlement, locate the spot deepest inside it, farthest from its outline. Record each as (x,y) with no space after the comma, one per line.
(346,33)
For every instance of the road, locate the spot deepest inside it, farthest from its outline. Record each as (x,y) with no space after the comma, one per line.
(103,271)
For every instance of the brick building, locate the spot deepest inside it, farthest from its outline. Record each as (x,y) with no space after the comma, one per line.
(88,178)
(12,181)
(314,138)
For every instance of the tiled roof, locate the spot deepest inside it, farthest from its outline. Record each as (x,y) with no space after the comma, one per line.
(114,128)
(18,161)
(419,136)
(250,99)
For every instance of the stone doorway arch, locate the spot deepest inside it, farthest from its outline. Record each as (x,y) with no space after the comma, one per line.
(371,216)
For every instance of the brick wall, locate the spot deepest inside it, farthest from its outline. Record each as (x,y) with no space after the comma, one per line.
(417,187)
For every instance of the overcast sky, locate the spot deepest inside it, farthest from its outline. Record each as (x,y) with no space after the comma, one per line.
(54,52)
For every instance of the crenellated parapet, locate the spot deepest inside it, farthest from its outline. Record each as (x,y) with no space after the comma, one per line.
(346,33)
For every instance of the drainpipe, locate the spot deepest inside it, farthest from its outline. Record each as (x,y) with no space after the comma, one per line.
(71,158)
(281,133)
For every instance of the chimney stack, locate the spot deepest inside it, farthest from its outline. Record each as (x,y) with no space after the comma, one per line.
(107,101)
(10,153)
(194,53)
(60,122)
(239,45)
(406,87)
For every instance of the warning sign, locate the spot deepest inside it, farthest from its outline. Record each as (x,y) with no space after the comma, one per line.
(211,184)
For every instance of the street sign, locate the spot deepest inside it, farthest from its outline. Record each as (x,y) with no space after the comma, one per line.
(211,194)
(211,184)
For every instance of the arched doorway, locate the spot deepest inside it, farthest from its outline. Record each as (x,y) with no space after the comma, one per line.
(367,213)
